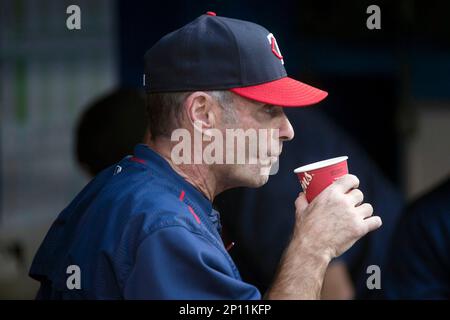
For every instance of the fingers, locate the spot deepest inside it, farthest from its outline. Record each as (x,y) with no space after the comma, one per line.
(347,182)
(357,196)
(365,210)
(301,203)
(373,223)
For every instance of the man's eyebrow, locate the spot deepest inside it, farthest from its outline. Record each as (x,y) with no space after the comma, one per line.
(268,105)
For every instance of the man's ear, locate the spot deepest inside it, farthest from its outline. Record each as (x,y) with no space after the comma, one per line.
(199,109)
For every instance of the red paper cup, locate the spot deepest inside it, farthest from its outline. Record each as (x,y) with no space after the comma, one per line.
(317,176)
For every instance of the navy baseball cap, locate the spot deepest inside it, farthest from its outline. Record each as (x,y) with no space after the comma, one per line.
(219,53)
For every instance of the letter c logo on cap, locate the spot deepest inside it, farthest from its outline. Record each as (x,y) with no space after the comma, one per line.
(274,46)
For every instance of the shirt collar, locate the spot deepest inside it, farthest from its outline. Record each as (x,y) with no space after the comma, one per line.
(214,217)
(156,162)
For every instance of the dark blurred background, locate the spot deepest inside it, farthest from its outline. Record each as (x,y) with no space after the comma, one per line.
(389,89)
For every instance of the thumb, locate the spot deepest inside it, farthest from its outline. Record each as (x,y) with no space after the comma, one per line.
(301,203)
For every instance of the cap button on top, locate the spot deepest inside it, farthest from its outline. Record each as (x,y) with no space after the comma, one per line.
(211,13)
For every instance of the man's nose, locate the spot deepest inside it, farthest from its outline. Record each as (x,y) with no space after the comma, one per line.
(286,129)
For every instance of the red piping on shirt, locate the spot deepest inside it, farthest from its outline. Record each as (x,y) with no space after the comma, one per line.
(193,213)
(138,160)
(181,197)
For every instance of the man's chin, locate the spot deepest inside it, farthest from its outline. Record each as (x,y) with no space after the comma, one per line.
(253,176)
(264,180)
(259,179)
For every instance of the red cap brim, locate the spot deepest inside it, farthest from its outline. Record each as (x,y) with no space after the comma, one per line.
(285,92)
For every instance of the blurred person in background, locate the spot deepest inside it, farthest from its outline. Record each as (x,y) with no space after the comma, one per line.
(106,132)
(260,227)
(419,259)
(109,128)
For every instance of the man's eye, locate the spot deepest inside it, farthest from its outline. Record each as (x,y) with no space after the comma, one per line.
(269,109)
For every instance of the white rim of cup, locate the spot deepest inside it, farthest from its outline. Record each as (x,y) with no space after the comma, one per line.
(320,164)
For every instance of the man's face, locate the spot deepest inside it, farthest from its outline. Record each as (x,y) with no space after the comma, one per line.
(269,125)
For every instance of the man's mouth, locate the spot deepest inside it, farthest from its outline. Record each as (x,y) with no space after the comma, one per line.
(276,155)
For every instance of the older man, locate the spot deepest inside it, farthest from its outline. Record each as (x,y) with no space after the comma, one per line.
(145,228)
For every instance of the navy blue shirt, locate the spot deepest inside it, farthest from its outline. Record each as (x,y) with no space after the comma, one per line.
(419,263)
(138,231)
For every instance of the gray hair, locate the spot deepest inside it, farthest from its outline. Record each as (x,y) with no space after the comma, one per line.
(164,110)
